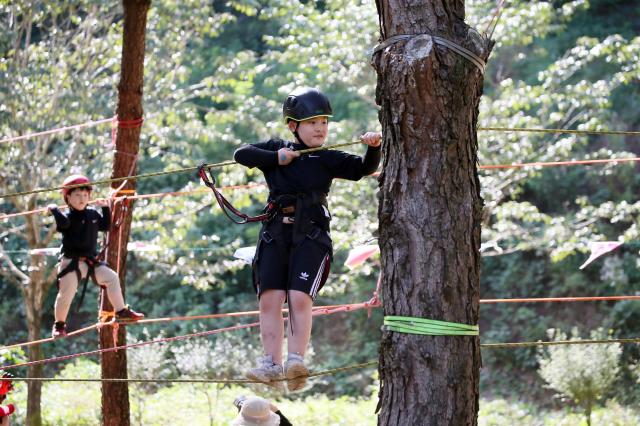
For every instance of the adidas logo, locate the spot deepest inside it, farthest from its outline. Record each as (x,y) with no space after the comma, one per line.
(304,276)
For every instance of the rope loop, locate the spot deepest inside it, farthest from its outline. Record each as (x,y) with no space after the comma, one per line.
(428,327)
(130,124)
(456,48)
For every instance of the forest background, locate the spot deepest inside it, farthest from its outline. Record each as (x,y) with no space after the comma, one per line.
(215,76)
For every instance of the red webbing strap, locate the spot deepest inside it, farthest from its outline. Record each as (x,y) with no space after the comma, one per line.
(227,207)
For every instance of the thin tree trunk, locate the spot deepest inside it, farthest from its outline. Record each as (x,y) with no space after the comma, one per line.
(34,295)
(430,211)
(34,389)
(115,396)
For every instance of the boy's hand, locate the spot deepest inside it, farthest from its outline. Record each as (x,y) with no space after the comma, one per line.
(372,139)
(101,202)
(286,156)
(51,207)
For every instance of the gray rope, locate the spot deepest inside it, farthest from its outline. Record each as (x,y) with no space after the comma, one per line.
(465,53)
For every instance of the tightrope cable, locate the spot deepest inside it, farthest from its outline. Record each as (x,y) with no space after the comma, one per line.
(169,381)
(161,173)
(566,131)
(228,163)
(58,130)
(557,343)
(324,372)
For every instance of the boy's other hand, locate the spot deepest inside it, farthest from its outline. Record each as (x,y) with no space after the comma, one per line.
(372,139)
(51,207)
(286,156)
(101,202)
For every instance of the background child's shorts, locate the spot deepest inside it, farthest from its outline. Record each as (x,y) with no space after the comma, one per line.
(309,263)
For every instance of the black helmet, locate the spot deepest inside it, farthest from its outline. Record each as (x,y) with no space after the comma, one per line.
(304,103)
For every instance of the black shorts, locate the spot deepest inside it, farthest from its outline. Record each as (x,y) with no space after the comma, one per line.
(305,269)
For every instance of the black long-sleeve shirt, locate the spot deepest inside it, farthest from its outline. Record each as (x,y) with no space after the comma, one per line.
(80,229)
(311,172)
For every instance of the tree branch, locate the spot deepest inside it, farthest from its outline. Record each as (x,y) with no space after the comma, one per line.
(16,276)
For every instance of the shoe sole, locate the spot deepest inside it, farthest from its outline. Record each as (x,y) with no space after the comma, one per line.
(296,377)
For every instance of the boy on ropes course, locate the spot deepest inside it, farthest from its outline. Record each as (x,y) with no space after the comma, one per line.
(79,228)
(294,250)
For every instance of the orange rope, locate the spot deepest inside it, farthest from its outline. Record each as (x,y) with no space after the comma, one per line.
(560,299)
(317,310)
(328,309)
(50,339)
(324,310)
(58,130)
(142,197)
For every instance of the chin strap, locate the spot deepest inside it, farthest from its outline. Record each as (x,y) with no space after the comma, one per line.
(295,133)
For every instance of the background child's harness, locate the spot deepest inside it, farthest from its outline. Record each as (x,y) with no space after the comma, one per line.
(74,266)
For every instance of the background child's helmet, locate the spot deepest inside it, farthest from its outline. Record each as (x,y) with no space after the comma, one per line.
(74,180)
(6,385)
(304,103)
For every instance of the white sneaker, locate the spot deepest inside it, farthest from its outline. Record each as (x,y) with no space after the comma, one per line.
(267,372)
(296,372)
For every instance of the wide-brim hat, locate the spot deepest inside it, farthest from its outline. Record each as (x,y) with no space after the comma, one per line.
(256,411)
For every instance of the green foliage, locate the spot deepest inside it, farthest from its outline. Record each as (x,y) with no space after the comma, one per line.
(12,356)
(77,401)
(584,372)
(215,77)
(500,412)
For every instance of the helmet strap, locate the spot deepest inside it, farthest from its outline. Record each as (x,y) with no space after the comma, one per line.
(295,133)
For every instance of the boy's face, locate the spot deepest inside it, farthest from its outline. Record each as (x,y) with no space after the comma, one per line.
(313,131)
(79,198)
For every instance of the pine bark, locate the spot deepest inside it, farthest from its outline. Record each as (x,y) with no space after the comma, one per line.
(429,212)
(115,396)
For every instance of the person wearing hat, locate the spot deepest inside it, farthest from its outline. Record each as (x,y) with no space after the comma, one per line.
(294,250)
(79,228)
(256,411)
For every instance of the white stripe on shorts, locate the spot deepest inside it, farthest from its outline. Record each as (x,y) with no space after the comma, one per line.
(318,278)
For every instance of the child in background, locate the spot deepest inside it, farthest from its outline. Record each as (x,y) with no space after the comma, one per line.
(6,386)
(294,250)
(79,228)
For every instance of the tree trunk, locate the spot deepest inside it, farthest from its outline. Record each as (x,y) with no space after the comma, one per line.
(115,396)
(34,295)
(34,389)
(430,211)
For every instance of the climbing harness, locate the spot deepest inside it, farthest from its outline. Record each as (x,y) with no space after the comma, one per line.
(74,266)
